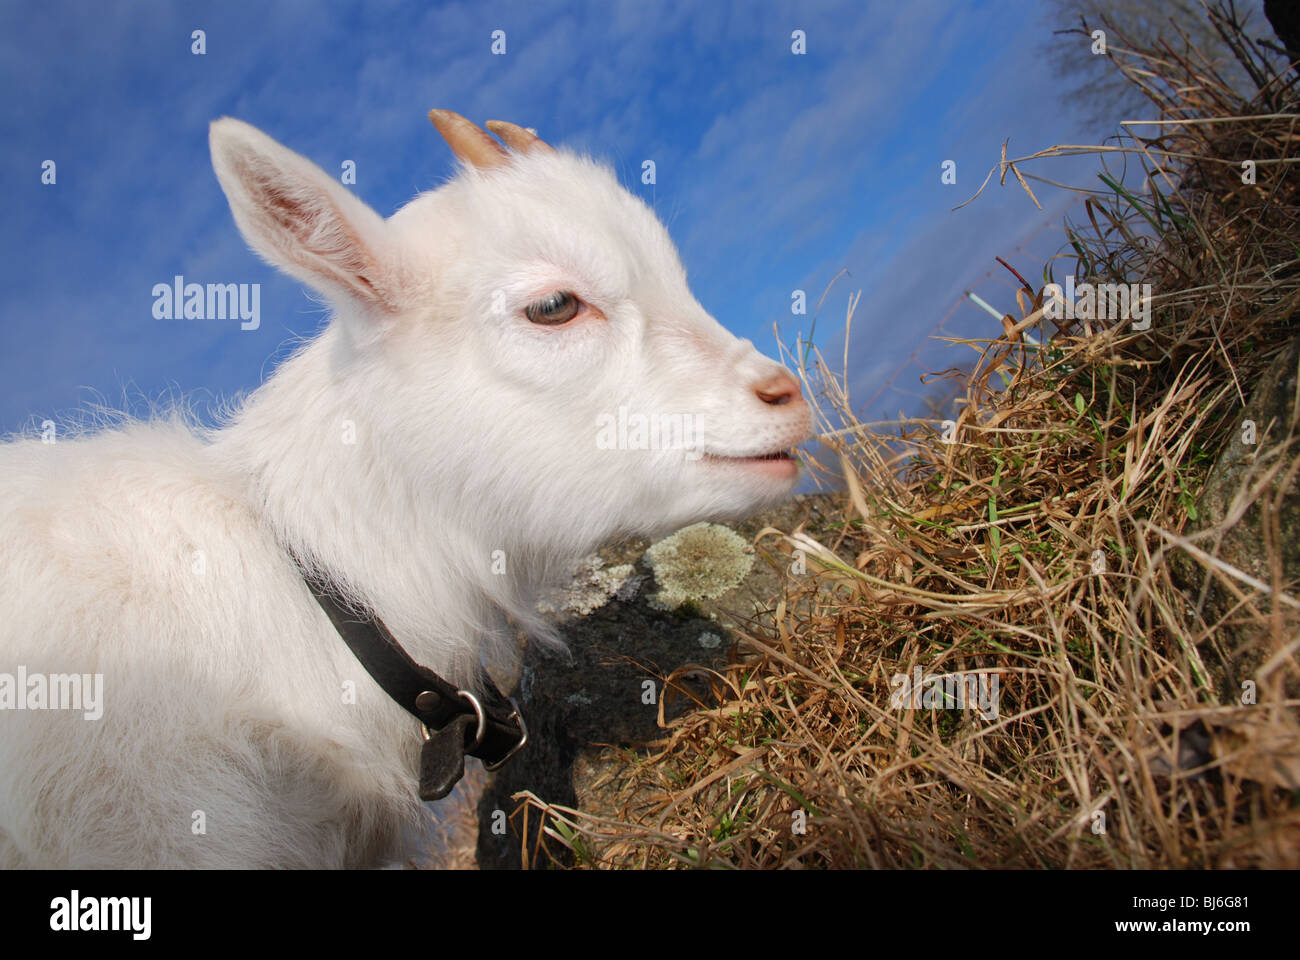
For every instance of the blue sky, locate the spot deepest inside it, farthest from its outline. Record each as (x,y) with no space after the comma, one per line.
(775,171)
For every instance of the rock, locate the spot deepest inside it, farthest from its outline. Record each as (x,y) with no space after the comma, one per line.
(584,709)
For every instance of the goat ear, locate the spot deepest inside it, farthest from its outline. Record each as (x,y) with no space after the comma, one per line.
(302,221)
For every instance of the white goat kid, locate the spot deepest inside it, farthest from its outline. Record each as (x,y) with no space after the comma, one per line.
(434,452)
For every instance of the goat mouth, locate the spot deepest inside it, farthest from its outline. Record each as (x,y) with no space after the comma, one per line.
(779,459)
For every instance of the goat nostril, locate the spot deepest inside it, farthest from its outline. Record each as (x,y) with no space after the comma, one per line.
(778,390)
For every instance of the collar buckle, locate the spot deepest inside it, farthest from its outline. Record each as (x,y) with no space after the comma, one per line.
(518,718)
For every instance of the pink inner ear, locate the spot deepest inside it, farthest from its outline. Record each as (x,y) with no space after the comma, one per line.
(320,239)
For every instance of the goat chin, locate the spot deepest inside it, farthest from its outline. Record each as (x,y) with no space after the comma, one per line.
(515,372)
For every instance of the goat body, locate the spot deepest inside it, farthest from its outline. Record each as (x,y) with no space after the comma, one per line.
(433,452)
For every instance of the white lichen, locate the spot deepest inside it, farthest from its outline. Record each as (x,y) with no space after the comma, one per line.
(699,562)
(590,587)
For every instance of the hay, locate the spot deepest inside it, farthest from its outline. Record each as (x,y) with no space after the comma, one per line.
(1028,542)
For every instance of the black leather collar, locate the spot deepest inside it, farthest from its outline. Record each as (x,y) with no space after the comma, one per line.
(455,722)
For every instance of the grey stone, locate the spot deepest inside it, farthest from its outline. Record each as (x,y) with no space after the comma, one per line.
(583,709)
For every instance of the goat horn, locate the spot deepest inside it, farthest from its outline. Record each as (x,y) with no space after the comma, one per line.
(467,141)
(518,139)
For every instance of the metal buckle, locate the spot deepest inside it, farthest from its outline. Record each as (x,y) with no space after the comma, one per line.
(482,718)
(481,732)
(523,737)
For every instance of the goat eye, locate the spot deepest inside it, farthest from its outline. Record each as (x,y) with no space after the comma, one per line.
(559,307)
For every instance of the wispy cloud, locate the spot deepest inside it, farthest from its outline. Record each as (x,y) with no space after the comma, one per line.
(775,171)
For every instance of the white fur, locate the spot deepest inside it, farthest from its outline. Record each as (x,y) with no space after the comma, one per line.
(156,554)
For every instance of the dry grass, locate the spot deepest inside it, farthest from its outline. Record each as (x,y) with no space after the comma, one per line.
(1034,548)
